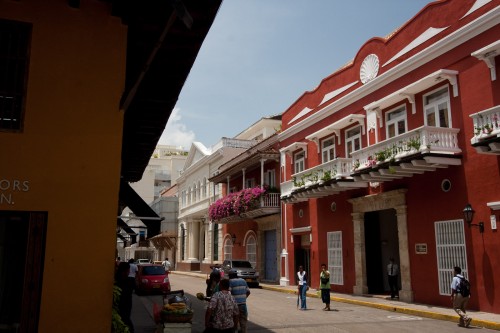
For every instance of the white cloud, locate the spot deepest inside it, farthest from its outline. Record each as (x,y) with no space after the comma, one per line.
(176,133)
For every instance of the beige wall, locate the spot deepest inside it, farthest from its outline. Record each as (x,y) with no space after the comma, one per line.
(69,152)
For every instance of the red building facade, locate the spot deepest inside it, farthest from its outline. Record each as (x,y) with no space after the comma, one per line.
(381,159)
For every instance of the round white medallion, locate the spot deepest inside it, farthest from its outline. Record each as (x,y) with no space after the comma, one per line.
(369,68)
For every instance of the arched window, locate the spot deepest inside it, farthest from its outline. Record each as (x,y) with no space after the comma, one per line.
(251,246)
(194,192)
(198,190)
(189,196)
(228,249)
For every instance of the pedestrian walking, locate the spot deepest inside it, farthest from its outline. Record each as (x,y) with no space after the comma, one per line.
(222,311)
(302,287)
(166,264)
(132,272)
(213,282)
(392,275)
(460,295)
(324,286)
(240,291)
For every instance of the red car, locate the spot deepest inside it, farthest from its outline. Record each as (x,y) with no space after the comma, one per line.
(151,278)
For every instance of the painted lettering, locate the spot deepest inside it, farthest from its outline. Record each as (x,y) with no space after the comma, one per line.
(6,198)
(14,185)
(4,184)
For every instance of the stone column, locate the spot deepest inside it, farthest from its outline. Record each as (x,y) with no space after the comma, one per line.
(406,293)
(361,286)
(194,241)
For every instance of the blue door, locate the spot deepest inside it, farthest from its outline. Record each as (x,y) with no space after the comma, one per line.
(270,252)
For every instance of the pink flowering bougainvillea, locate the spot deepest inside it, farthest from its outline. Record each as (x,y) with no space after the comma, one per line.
(236,203)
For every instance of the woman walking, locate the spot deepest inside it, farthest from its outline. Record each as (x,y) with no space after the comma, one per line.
(302,283)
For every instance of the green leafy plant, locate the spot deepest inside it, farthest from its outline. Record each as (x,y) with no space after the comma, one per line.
(117,324)
(327,175)
(413,143)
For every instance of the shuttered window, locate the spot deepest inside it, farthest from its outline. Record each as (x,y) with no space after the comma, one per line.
(15,39)
(334,240)
(451,252)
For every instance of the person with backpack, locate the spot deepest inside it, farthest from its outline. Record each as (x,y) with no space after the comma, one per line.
(460,295)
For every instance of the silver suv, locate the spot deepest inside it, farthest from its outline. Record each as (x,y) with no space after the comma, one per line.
(244,270)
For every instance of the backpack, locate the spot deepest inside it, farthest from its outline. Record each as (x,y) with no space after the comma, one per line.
(464,287)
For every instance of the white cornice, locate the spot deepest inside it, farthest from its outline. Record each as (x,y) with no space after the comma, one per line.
(467,32)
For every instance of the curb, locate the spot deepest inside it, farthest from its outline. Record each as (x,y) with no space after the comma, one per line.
(392,308)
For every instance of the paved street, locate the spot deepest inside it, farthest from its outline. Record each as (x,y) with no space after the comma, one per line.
(272,311)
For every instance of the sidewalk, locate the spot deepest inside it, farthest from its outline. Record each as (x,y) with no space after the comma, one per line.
(479,319)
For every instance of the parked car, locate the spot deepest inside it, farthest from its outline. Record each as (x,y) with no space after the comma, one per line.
(244,270)
(151,278)
(143,261)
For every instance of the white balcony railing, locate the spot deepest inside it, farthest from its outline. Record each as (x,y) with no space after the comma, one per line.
(425,139)
(486,124)
(270,200)
(339,168)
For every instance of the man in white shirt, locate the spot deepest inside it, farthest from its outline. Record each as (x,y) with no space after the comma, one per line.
(166,264)
(392,274)
(459,301)
(133,270)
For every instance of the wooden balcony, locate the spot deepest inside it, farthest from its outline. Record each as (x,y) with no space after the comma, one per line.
(486,139)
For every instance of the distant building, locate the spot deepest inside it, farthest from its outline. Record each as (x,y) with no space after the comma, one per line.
(201,241)
(162,171)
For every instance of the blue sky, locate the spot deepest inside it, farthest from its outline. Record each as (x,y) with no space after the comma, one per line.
(260,56)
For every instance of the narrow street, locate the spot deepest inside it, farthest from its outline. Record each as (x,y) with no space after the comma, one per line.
(272,311)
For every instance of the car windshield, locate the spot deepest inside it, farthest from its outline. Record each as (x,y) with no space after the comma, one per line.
(242,264)
(153,270)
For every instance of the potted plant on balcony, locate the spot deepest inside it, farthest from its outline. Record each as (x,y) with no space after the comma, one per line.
(327,175)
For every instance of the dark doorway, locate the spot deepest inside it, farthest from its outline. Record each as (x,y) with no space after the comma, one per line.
(381,243)
(22,248)
(302,258)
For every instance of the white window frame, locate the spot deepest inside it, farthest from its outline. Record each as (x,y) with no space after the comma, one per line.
(335,257)
(351,140)
(395,121)
(228,249)
(433,107)
(451,251)
(328,149)
(251,248)
(299,161)
(270,178)
(250,182)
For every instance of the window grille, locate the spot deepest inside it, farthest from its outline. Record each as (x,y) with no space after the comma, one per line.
(15,39)
(334,240)
(450,251)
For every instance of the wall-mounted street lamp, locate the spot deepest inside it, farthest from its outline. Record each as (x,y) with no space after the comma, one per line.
(469,215)
(233,238)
